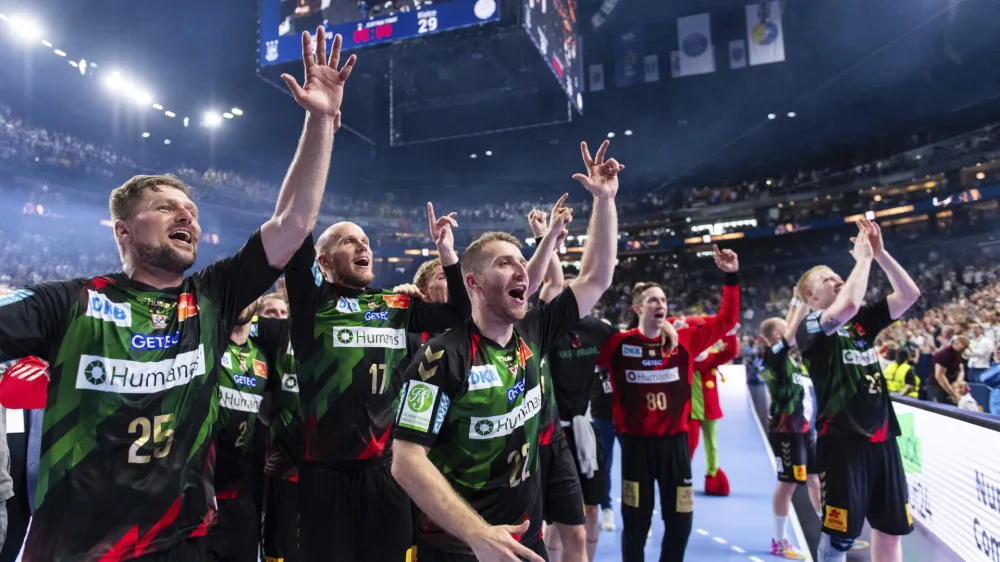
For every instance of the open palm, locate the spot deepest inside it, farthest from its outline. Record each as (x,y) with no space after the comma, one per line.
(323,90)
(602,177)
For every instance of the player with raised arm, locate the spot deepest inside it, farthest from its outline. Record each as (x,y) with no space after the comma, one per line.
(349,339)
(126,463)
(652,369)
(788,429)
(861,470)
(568,372)
(468,425)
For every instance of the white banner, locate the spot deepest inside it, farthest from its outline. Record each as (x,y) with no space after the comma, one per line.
(737,54)
(765,36)
(596,77)
(953,472)
(694,45)
(651,64)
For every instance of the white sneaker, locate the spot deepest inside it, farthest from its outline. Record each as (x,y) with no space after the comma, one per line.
(607,520)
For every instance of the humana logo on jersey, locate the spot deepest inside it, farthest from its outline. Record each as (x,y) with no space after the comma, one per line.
(866,357)
(233,399)
(653,377)
(123,376)
(391,338)
(500,426)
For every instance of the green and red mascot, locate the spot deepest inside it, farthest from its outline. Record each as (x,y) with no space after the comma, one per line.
(705,408)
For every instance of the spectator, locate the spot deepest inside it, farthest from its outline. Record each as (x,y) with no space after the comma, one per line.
(948,371)
(980,351)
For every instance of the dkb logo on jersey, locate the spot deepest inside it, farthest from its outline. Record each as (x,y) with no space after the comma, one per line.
(100,307)
(348,306)
(500,426)
(390,338)
(631,351)
(123,376)
(416,413)
(484,376)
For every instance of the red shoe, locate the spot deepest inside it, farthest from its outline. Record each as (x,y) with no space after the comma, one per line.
(717,485)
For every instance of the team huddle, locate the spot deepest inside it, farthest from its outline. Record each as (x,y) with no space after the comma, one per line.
(448,420)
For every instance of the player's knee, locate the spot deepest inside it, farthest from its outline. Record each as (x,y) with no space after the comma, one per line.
(573,537)
(832,549)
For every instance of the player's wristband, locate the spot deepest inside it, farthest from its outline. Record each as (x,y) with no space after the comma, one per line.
(538,241)
(732,279)
(794,303)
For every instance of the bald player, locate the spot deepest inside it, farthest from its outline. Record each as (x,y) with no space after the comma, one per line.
(348,339)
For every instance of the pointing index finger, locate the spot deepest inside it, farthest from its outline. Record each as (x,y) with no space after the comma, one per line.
(559,203)
(431,219)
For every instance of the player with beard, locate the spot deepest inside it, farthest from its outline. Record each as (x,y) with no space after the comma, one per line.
(247,374)
(468,426)
(861,471)
(134,356)
(652,369)
(348,340)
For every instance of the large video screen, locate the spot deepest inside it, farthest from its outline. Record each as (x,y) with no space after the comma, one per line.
(552,26)
(362,22)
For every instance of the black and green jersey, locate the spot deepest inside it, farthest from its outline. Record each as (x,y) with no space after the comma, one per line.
(574,365)
(851,393)
(126,448)
(788,384)
(476,405)
(247,374)
(284,448)
(348,345)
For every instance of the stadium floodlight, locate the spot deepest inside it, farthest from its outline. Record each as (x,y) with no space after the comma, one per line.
(611,135)
(170,114)
(473,156)
(3,17)
(166,141)
(25,28)
(980,176)
(211,119)
(74,64)
(186,122)
(113,81)
(628,132)
(145,135)
(157,107)
(772,116)
(227,115)
(236,111)
(791,115)
(142,97)
(489,153)
(59,53)
(46,43)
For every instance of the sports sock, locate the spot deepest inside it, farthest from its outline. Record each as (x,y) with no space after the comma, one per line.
(780,526)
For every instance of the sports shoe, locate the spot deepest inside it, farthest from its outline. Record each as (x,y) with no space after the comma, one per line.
(786,550)
(607,520)
(859,544)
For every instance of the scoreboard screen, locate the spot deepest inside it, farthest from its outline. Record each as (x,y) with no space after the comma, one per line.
(552,26)
(362,22)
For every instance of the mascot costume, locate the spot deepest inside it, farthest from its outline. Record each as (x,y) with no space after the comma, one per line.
(705,408)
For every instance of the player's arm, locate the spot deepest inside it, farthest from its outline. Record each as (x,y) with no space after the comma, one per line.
(728,316)
(33,318)
(543,267)
(730,350)
(852,293)
(298,203)
(797,312)
(597,267)
(904,290)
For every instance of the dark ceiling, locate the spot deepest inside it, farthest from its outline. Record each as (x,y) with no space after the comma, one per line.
(858,75)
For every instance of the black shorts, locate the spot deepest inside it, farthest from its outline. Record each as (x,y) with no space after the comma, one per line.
(191,550)
(235,537)
(795,455)
(361,514)
(862,480)
(281,520)
(593,487)
(562,499)
(427,553)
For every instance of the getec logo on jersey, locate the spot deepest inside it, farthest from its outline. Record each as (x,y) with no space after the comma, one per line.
(500,426)
(484,376)
(245,380)
(376,315)
(146,341)
(631,351)
(349,336)
(658,376)
(515,391)
(233,399)
(417,406)
(123,376)
(867,357)
(100,307)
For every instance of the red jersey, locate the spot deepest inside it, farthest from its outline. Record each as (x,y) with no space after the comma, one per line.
(651,388)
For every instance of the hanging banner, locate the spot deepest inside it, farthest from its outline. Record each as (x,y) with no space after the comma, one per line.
(694,43)
(765,36)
